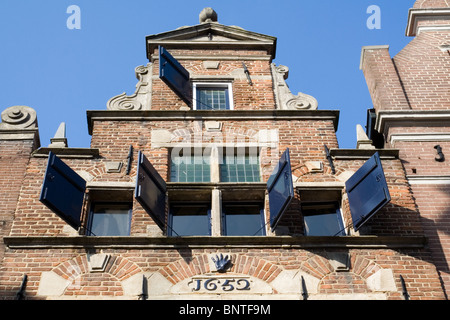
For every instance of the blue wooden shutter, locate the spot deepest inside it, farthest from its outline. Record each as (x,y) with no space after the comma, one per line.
(150,190)
(281,189)
(175,75)
(367,191)
(63,191)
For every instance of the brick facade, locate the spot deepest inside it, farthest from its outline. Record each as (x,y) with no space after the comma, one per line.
(410,94)
(63,263)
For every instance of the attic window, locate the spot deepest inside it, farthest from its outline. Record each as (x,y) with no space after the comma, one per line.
(212,96)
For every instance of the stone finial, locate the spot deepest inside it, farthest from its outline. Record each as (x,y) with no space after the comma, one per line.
(208,15)
(59,140)
(362,141)
(18,117)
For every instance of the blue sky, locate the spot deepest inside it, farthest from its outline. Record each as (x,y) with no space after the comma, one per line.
(61,73)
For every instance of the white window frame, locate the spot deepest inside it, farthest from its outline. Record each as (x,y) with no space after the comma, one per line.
(226,85)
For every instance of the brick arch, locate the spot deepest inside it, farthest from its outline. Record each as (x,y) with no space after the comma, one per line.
(317,266)
(241,264)
(354,281)
(180,134)
(364,267)
(256,267)
(83,281)
(97,171)
(320,267)
(301,170)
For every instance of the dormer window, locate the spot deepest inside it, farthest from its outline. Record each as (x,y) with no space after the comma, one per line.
(212,96)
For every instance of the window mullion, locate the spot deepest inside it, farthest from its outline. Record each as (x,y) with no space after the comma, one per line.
(216,213)
(215,164)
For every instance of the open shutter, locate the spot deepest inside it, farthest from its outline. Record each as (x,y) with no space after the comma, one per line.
(175,75)
(63,191)
(150,190)
(367,191)
(281,189)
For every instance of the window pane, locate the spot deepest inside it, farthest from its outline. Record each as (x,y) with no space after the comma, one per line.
(243,220)
(323,220)
(110,220)
(212,98)
(190,220)
(190,168)
(240,168)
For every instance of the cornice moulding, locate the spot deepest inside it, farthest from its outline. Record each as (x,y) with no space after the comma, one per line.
(385,118)
(416,15)
(418,180)
(220,115)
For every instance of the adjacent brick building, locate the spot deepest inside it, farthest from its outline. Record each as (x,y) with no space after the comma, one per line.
(411,97)
(211,181)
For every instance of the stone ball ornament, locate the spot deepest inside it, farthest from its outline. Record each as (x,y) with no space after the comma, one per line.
(208,15)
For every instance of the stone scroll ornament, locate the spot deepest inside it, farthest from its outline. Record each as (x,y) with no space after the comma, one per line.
(19,117)
(285,98)
(140,100)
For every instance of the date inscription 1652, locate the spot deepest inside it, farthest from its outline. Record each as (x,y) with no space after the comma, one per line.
(220,284)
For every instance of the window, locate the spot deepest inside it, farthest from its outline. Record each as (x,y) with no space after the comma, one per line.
(234,208)
(243,219)
(212,96)
(109,211)
(240,168)
(323,219)
(190,168)
(190,219)
(204,165)
(109,219)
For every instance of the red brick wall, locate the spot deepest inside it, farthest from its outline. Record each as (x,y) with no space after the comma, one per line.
(382,80)
(423,4)
(14,156)
(434,204)
(423,71)
(259,96)
(178,265)
(417,79)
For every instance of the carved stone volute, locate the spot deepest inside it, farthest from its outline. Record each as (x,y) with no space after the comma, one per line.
(141,99)
(18,117)
(285,98)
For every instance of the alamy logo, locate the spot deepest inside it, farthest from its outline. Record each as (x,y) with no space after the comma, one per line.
(74,20)
(374,21)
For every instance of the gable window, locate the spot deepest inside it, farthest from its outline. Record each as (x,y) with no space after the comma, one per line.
(109,211)
(109,219)
(240,168)
(190,168)
(212,96)
(190,219)
(243,219)
(323,219)
(321,211)
(206,165)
